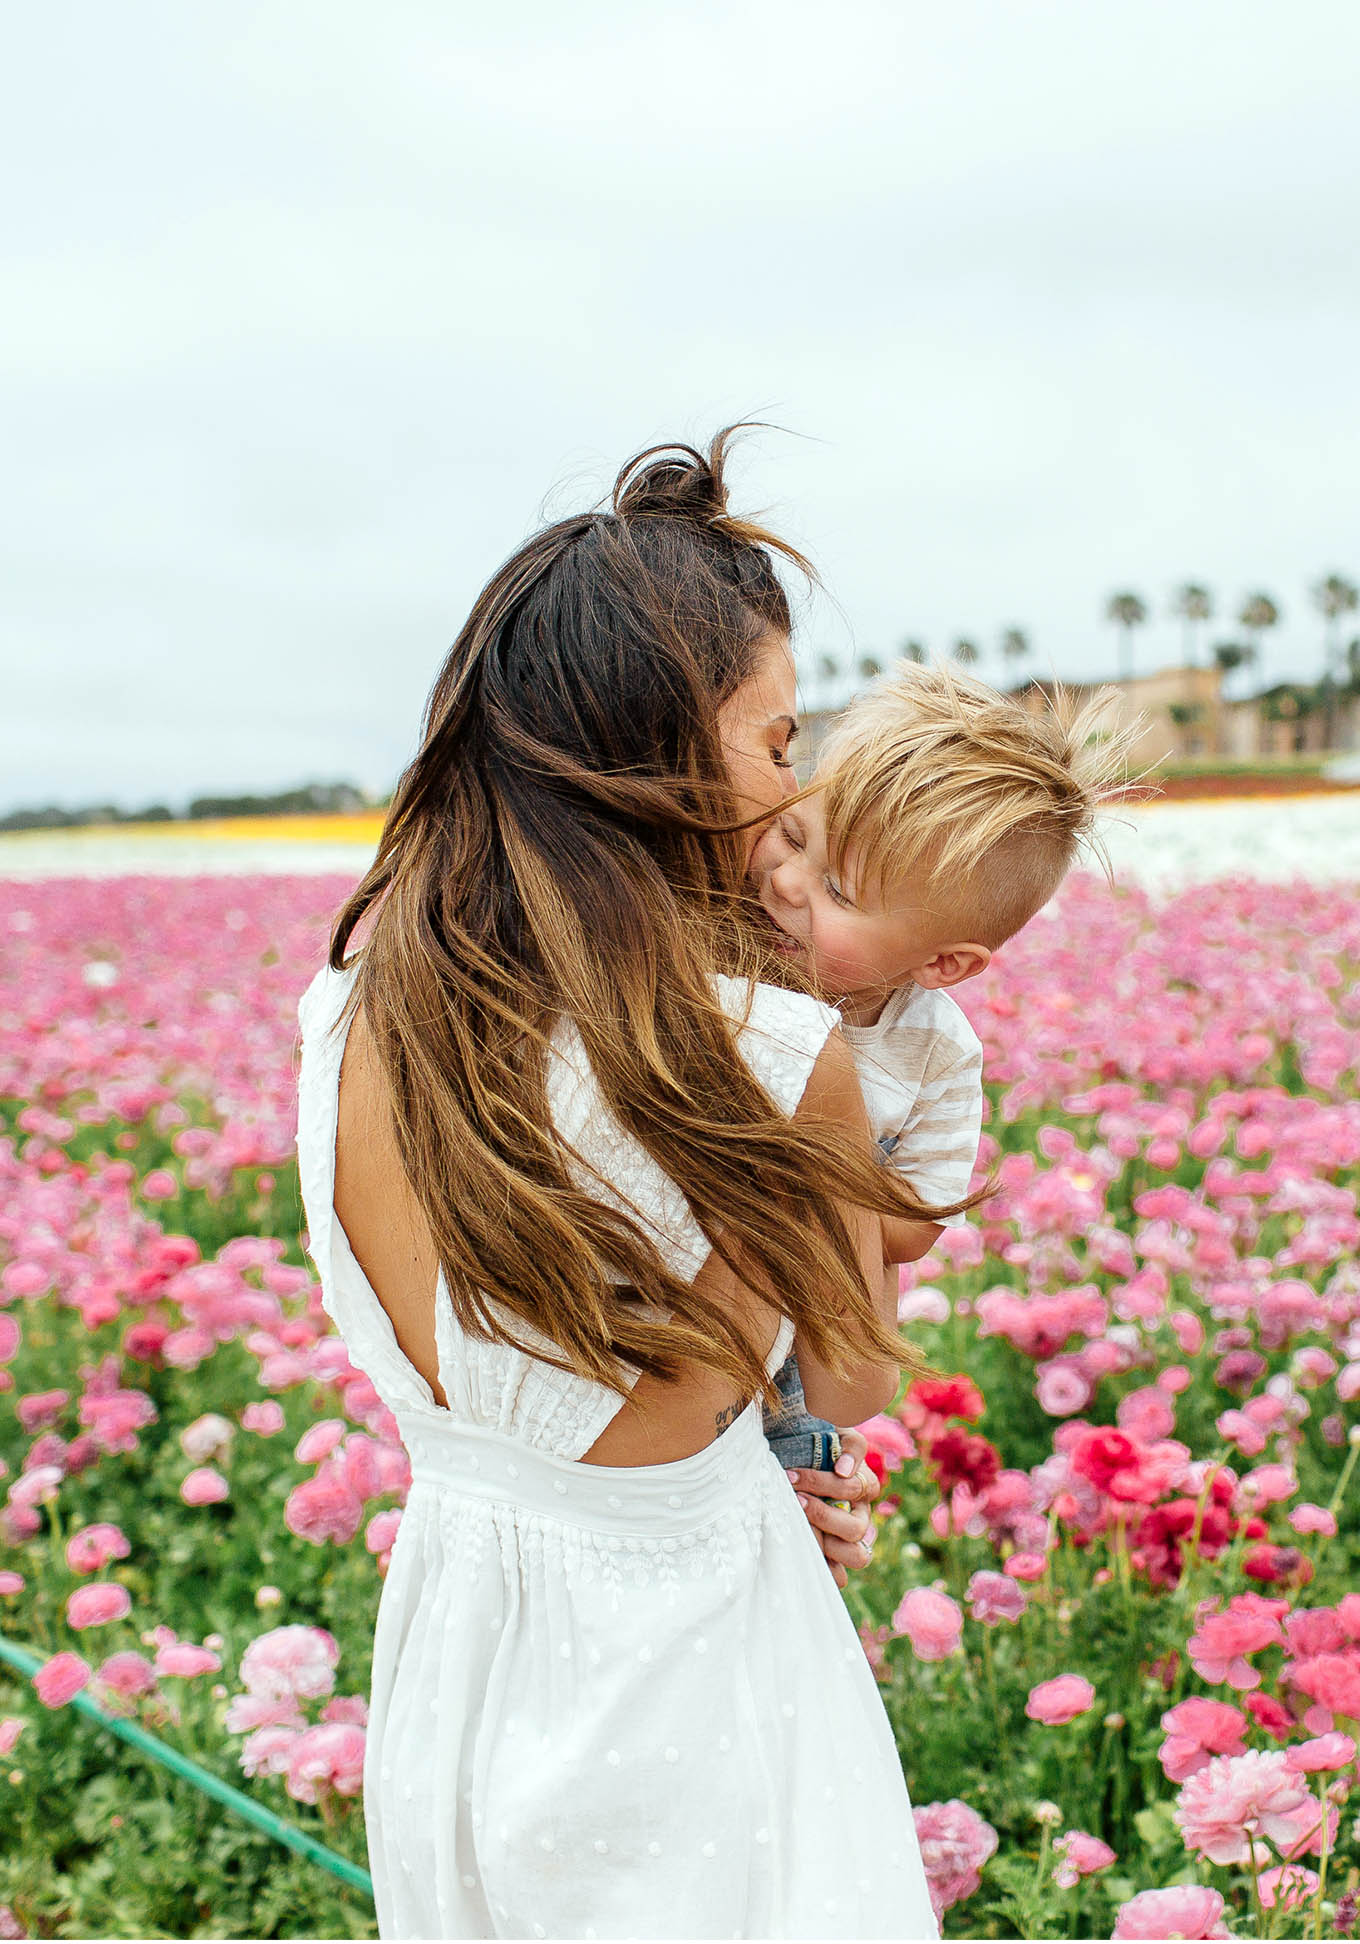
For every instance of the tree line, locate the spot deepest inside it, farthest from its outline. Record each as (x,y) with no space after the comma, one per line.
(313,799)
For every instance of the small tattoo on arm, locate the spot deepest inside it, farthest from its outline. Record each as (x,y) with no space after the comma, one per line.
(728,1415)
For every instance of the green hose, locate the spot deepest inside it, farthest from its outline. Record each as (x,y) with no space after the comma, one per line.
(233,1799)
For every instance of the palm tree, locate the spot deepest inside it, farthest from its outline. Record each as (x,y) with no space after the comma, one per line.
(1195,605)
(913,651)
(1014,646)
(965,653)
(1257,614)
(1230,656)
(1334,597)
(1127,611)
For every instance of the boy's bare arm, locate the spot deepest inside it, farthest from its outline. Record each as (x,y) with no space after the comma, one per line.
(907,1241)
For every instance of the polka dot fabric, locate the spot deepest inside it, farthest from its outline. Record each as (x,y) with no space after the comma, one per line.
(606,1702)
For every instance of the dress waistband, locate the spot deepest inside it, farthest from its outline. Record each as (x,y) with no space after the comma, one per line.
(641,1499)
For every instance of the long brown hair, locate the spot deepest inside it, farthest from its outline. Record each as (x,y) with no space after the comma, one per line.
(565,846)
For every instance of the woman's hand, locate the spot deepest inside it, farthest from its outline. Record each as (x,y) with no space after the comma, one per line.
(847,1538)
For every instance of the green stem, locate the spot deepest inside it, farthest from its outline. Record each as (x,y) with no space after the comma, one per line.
(1322,1859)
(1344,1480)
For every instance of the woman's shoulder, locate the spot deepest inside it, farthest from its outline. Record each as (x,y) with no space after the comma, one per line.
(780,1034)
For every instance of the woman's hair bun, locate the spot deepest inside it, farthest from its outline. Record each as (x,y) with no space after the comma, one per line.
(676,481)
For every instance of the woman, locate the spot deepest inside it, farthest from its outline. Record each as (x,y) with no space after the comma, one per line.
(574,1184)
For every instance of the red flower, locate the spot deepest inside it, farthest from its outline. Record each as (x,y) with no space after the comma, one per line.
(1099,1455)
(1270,1714)
(1277,1565)
(963,1458)
(947,1397)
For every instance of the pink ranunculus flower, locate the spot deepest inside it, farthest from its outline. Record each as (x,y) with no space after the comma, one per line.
(182,1657)
(319,1440)
(325,1759)
(266,1419)
(1059,1701)
(1236,1799)
(207,1438)
(267,1751)
(1197,1729)
(1307,1518)
(931,1621)
(1062,1389)
(159,1185)
(1183,1911)
(95,1606)
(1220,1644)
(346,1707)
(11,1583)
(204,1486)
(1290,1884)
(247,1712)
(127,1674)
(993,1597)
(1026,1566)
(324,1507)
(1078,1855)
(955,1843)
(39,1409)
(1331,1751)
(11,1727)
(10,1927)
(291,1661)
(91,1549)
(58,1679)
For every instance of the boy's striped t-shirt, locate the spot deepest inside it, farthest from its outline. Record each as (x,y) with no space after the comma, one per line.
(920,1070)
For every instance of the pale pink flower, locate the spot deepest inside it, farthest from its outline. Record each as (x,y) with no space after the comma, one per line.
(266,1752)
(1146,1414)
(1059,1701)
(291,1661)
(1078,1855)
(265,1418)
(204,1486)
(128,1674)
(326,1758)
(931,1621)
(955,1843)
(993,1597)
(39,1409)
(11,1582)
(246,1712)
(346,1707)
(182,1657)
(324,1507)
(11,1727)
(1331,1751)
(159,1185)
(1183,1911)
(91,1549)
(60,1678)
(1197,1729)
(207,1438)
(1307,1517)
(10,1927)
(1238,1798)
(95,1606)
(1061,1389)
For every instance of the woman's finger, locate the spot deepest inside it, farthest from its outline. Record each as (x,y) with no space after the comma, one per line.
(849,1526)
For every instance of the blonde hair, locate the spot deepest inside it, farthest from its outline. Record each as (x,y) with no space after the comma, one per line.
(933,776)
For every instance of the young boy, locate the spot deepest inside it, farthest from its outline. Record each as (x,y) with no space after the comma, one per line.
(943,815)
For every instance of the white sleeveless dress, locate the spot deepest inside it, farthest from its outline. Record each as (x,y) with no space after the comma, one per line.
(606,1701)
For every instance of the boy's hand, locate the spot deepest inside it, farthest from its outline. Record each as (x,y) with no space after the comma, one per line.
(846,1537)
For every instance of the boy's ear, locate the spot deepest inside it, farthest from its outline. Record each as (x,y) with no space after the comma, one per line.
(952,965)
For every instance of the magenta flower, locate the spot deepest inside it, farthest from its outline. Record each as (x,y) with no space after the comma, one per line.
(931,1621)
(60,1678)
(955,1843)
(95,1606)
(319,1440)
(1237,1798)
(1059,1701)
(39,1409)
(1184,1911)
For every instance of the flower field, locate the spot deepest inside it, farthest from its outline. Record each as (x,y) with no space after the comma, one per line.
(1114,1605)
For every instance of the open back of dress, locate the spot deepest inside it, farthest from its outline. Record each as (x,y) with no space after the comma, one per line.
(606,1702)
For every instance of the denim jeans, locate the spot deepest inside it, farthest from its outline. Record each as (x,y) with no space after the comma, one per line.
(799,1440)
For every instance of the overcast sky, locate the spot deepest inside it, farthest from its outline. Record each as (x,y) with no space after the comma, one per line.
(310,312)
